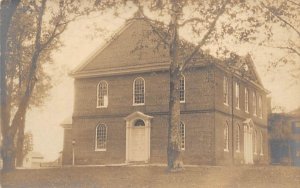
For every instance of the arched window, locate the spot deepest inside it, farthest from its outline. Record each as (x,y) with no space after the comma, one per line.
(261,143)
(139,91)
(139,123)
(226,137)
(182,89)
(102,94)
(238,139)
(182,135)
(225,90)
(254,142)
(101,137)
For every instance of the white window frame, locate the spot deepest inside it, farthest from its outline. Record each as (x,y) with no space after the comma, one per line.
(261,143)
(246,100)
(238,138)
(226,137)
(105,96)
(182,90)
(237,95)
(254,103)
(144,85)
(225,91)
(255,142)
(182,133)
(96,138)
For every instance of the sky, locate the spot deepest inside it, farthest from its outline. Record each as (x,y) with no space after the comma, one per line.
(83,37)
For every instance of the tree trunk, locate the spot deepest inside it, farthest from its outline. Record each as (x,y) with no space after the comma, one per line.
(174,151)
(8,9)
(175,162)
(20,142)
(8,153)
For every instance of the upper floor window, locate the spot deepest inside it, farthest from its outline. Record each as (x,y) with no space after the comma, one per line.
(237,95)
(226,137)
(254,104)
(260,106)
(182,89)
(246,100)
(102,94)
(225,90)
(261,143)
(101,137)
(182,135)
(238,139)
(255,142)
(139,91)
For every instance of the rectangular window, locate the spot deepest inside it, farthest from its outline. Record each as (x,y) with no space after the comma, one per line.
(182,89)
(238,139)
(246,100)
(182,136)
(225,90)
(254,104)
(226,138)
(101,137)
(260,106)
(237,95)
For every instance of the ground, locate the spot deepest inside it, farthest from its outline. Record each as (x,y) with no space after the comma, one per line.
(150,176)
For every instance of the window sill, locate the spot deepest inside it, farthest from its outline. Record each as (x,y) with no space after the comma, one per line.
(255,153)
(237,108)
(261,154)
(226,104)
(142,104)
(100,149)
(238,151)
(182,102)
(247,112)
(101,107)
(226,150)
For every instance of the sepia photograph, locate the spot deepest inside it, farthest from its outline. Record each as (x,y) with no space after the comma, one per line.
(150,93)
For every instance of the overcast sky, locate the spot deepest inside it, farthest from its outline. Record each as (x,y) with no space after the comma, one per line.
(82,38)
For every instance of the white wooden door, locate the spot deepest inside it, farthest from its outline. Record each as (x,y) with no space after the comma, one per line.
(138,144)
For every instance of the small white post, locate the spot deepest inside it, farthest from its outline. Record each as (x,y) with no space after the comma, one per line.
(73,152)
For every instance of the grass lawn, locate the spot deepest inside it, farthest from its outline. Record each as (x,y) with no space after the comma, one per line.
(137,176)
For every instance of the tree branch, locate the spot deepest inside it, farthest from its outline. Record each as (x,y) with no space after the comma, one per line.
(31,77)
(293,2)
(281,19)
(189,21)
(205,37)
(285,48)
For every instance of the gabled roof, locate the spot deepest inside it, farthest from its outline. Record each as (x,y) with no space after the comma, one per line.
(129,52)
(126,49)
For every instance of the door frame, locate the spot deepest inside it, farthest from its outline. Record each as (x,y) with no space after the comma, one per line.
(130,120)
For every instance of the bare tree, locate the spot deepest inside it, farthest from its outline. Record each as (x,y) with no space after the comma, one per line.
(24,51)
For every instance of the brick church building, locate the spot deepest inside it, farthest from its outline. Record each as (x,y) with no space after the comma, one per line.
(121,106)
